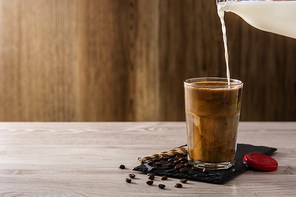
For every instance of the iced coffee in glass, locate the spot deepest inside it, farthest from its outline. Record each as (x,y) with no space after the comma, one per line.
(212,107)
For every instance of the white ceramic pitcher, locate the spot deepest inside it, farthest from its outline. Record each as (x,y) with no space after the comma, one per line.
(277,16)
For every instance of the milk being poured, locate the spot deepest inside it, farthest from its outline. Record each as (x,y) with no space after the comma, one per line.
(273,16)
(221,15)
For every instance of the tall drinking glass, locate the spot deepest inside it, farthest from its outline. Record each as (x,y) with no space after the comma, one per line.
(212,108)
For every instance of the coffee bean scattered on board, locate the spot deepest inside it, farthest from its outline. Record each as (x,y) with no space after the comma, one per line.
(149,174)
(158,163)
(156,159)
(128,180)
(188,165)
(151,177)
(149,182)
(164,177)
(178,185)
(170,160)
(166,157)
(176,161)
(150,162)
(161,186)
(132,175)
(179,166)
(194,168)
(183,180)
(182,159)
(205,170)
(170,164)
(121,166)
(184,170)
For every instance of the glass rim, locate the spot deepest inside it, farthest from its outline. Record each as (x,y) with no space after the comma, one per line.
(234,83)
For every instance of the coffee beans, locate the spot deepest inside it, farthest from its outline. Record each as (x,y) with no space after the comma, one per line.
(132,175)
(161,186)
(156,159)
(195,168)
(164,177)
(166,157)
(188,165)
(178,156)
(178,185)
(184,170)
(171,164)
(151,177)
(205,170)
(179,166)
(183,159)
(128,180)
(178,163)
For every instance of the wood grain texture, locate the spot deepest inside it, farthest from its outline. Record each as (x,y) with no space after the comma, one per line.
(38,60)
(82,159)
(118,60)
(103,55)
(190,46)
(126,60)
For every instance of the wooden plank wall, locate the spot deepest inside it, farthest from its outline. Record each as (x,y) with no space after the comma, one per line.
(126,60)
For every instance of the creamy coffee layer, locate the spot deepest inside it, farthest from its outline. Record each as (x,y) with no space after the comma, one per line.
(212,112)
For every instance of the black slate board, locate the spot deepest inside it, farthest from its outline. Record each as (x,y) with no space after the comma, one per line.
(213,176)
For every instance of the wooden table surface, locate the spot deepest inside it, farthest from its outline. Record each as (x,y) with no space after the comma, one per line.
(82,159)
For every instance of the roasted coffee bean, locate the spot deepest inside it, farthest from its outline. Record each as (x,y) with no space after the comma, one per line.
(151,177)
(166,157)
(170,160)
(188,165)
(156,159)
(176,161)
(150,174)
(121,166)
(205,170)
(158,163)
(164,177)
(178,185)
(161,186)
(195,168)
(128,180)
(132,175)
(182,159)
(179,166)
(178,156)
(183,180)
(149,182)
(184,170)
(170,164)
(150,162)
(183,162)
